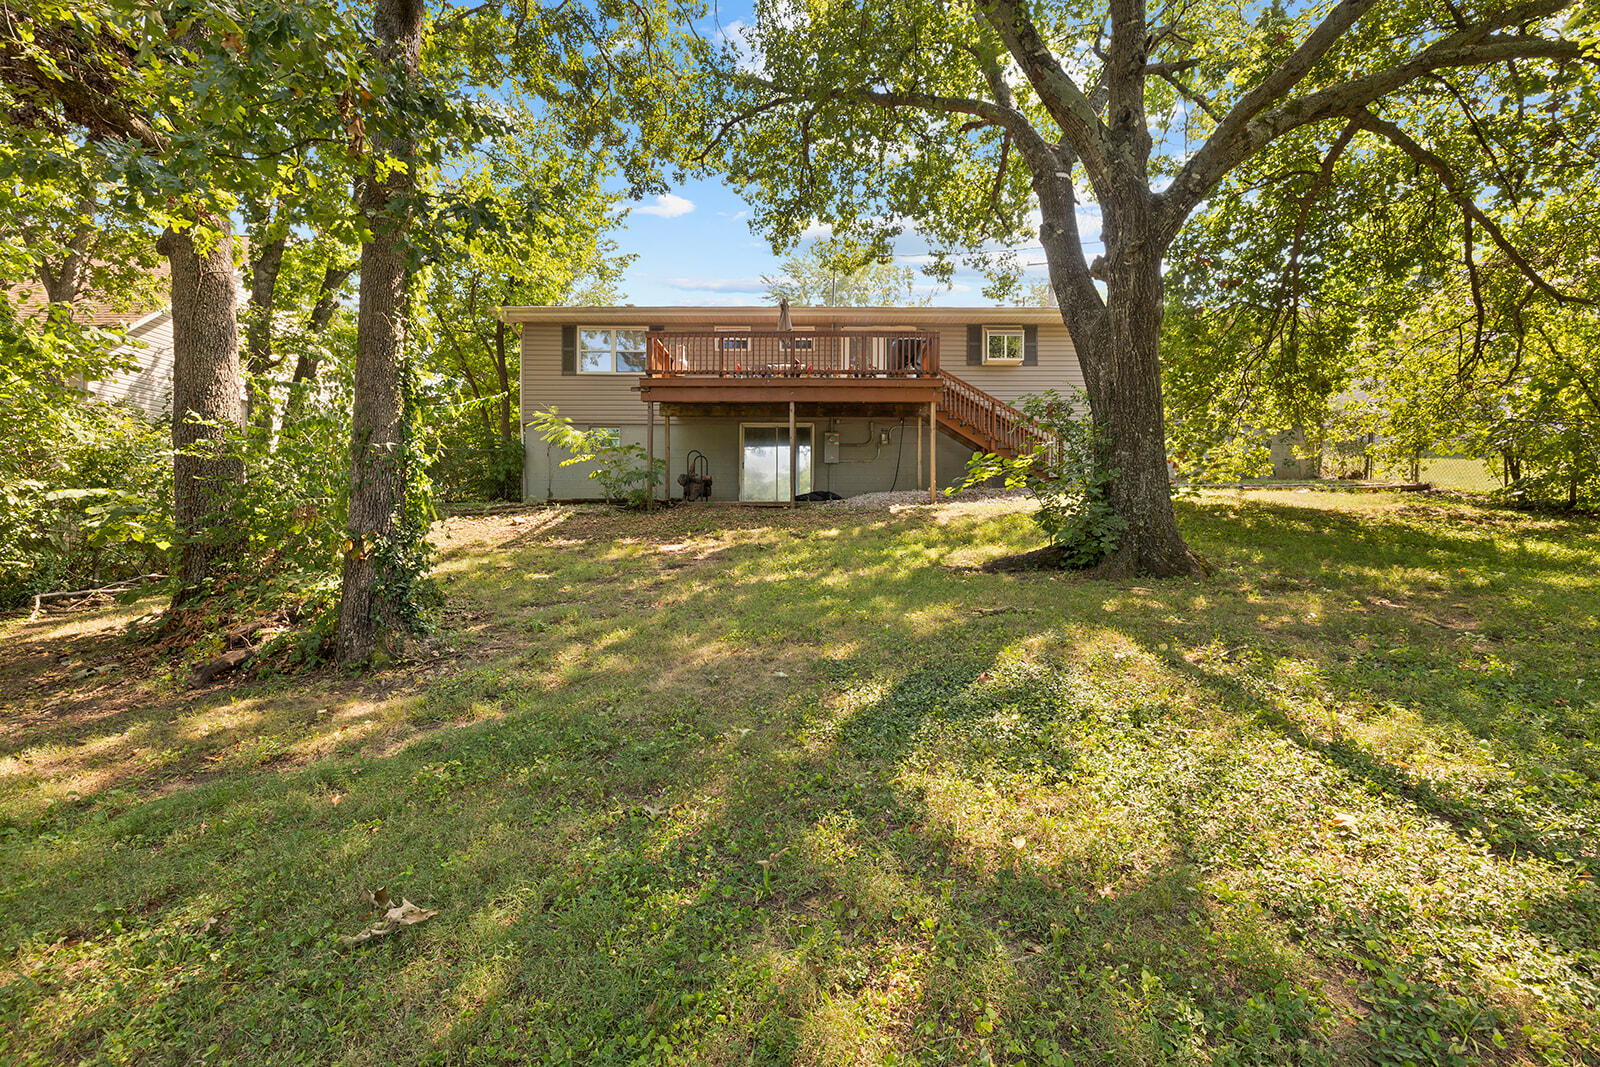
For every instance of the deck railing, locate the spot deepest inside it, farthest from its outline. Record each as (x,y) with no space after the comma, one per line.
(795,354)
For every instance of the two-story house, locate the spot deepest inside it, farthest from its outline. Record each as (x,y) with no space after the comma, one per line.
(840,400)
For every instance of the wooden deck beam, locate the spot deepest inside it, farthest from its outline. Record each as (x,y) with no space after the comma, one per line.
(687,390)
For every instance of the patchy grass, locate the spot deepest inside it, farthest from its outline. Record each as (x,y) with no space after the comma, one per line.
(725,785)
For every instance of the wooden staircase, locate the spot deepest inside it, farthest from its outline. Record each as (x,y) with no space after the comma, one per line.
(986,422)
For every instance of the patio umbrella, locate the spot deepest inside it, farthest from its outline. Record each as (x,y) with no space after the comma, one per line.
(784,322)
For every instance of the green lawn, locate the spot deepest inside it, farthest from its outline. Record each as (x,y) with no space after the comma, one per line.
(733,786)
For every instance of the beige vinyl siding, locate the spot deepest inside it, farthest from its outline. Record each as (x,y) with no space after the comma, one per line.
(609,399)
(148,385)
(1057,367)
(599,399)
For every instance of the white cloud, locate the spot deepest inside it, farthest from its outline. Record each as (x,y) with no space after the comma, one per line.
(716,285)
(667,206)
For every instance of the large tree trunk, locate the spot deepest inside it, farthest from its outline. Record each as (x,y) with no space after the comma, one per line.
(206,400)
(1125,398)
(370,608)
(1118,346)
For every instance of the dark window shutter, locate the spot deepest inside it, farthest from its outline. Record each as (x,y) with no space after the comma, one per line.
(1030,346)
(569,350)
(974,346)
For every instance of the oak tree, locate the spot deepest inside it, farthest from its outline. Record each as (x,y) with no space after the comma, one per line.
(964,119)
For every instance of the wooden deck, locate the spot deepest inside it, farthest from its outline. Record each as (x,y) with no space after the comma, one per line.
(801,366)
(779,372)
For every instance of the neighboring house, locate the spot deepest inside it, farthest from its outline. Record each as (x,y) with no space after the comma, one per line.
(147,385)
(878,398)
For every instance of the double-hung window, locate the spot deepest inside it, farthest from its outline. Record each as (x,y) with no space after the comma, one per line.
(1002,344)
(611,351)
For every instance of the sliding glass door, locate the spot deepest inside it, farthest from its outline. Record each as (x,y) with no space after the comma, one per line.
(764,462)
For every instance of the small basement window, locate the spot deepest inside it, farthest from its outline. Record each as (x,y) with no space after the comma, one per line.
(1002,344)
(611,351)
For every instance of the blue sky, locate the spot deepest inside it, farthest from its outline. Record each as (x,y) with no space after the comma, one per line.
(694,244)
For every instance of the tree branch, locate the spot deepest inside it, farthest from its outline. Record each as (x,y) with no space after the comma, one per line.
(1290,284)
(1249,127)
(1068,106)
(1193,96)
(1459,193)
(1125,78)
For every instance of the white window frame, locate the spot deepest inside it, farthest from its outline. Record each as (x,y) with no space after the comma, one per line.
(611,332)
(1005,331)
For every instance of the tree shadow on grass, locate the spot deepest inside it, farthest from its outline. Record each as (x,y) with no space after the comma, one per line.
(661,839)
(1504,827)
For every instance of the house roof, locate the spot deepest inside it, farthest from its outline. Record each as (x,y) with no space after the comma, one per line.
(763,314)
(93,309)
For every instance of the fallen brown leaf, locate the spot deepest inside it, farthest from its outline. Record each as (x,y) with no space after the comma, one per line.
(395,916)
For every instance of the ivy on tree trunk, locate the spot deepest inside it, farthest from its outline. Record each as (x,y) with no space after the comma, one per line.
(373,601)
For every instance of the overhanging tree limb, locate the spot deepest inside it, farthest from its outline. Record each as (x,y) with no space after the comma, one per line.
(1068,106)
(1245,132)
(1463,198)
(1290,73)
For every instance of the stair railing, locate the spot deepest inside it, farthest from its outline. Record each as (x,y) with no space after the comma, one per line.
(999,426)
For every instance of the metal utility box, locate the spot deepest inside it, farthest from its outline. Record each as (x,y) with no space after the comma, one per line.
(830,448)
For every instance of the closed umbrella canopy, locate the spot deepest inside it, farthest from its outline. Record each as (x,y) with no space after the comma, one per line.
(784,322)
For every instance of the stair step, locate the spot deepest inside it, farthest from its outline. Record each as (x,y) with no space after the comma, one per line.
(986,421)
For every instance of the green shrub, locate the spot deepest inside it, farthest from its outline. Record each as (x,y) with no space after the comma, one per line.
(1069,480)
(625,474)
(91,508)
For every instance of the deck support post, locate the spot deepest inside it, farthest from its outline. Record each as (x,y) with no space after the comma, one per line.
(933,451)
(649,451)
(794,474)
(919,449)
(666,477)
